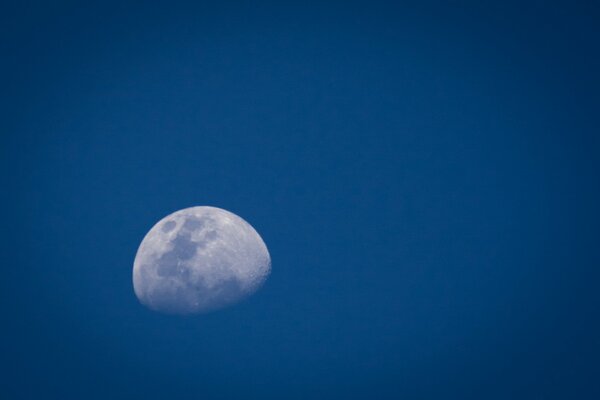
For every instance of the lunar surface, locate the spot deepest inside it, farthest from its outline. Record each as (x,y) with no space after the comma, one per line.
(197,260)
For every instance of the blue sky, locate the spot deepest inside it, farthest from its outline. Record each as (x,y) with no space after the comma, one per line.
(424,176)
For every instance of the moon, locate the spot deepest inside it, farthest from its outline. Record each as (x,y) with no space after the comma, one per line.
(197,260)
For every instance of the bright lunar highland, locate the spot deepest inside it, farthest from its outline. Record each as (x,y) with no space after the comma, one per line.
(199,259)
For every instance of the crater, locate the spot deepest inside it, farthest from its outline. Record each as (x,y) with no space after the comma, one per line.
(168,226)
(183,247)
(192,224)
(211,235)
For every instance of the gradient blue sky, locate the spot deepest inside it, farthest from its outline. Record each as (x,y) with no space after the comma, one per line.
(424,174)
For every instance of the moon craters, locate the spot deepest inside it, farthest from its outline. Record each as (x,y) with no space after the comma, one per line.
(197,260)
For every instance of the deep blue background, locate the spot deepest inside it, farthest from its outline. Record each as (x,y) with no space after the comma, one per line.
(425,177)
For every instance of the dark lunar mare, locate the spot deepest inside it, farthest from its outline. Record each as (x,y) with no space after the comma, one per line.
(170,265)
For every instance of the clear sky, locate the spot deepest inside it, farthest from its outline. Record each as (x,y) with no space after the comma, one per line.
(424,175)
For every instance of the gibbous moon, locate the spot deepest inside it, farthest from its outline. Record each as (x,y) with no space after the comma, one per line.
(197,260)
